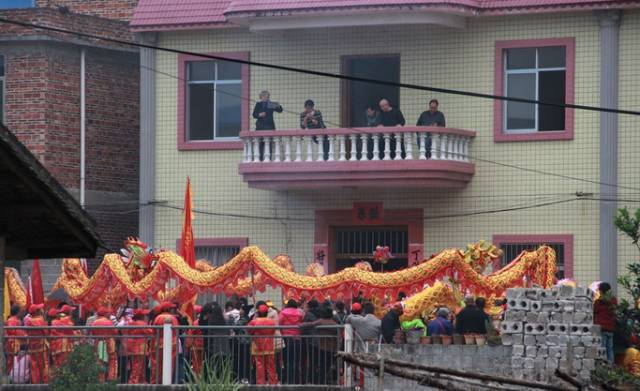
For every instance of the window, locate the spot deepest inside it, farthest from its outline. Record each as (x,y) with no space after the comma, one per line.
(536,74)
(353,244)
(213,102)
(536,70)
(1,89)
(512,246)
(10,4)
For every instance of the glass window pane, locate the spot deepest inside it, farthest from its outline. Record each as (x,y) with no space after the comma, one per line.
(229,110)
(200,101)
(201,70)
(521,115)
(551,89)
(229,70)
(551,57)
(524,58)
(1,66)
(1,100)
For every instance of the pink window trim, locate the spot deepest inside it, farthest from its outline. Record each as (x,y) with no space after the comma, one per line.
(219,242)
(498,79)
(566,239)
(183,144)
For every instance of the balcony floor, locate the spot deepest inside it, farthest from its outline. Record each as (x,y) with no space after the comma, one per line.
(364,174)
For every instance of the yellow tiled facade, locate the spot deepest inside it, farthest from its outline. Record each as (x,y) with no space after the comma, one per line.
(514,174)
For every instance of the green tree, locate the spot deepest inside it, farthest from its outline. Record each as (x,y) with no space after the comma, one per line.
(80,372)
(628,311)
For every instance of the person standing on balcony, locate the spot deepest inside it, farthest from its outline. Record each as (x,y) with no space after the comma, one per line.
(311,118)
(389,115)
(372,117)
(263,112)
(432,117)
(38,348)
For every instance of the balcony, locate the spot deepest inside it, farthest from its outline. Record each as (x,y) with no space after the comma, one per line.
(404,157)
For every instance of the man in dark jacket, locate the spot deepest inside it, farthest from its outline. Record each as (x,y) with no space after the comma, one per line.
(391,322)
(390,116)
(263,112)
(432,117)
(471,320)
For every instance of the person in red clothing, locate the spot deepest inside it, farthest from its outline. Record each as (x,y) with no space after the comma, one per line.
(38,346)
(106,346)
(61,344)
(263,348)
(137,348)
(291,315)
(12,345)
(195,343)
(604,315)
(164,313)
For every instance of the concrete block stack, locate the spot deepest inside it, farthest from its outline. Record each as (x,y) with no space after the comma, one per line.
(550,329)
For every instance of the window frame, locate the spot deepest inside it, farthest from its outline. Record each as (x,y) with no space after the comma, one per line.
(565,239)
(225,143)
(500,73)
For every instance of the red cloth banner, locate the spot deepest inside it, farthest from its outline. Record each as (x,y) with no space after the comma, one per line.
(37,292)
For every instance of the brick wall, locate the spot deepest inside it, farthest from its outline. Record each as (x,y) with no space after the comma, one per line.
(73,22)
(111,9)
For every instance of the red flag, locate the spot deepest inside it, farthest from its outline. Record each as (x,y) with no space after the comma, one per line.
(37,292)
(29,301)
(187,245)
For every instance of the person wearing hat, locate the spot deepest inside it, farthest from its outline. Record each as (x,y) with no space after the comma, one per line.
(263,348)
(62,328)
(106,346)
(12,345)
(137,347)
(194,342)
(38,348)
(164,314)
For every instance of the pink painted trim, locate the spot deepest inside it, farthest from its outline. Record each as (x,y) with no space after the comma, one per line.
(219,242)
(566,239)
(183,144)
(327,218)
(351,131)
(498,80)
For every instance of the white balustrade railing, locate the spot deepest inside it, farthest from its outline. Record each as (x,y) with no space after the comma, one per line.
(357,145)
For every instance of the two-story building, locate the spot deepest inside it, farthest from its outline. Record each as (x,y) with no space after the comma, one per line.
(515,173)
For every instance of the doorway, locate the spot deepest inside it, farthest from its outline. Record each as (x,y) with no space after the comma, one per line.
(357,95)
(351,245)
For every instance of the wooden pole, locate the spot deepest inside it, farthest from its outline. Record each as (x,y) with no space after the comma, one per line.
(569,379)
(369,359)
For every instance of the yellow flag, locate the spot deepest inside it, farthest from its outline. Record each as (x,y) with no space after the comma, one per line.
(7,304)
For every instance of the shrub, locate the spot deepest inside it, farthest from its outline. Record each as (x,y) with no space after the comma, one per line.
(80,372)
(217,374)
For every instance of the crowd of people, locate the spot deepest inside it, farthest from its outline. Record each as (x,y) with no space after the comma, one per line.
(382,114)
(258,343)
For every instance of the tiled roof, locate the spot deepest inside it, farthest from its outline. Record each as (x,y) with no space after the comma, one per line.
(151,14)
(176,14)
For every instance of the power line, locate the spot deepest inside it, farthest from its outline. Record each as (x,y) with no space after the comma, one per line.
(507,165)
(323,74)
(345,77)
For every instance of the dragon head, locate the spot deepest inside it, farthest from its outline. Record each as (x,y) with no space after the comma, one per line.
(138,254)
(480,254)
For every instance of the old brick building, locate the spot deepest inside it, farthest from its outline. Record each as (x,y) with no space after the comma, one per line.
(44,98)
